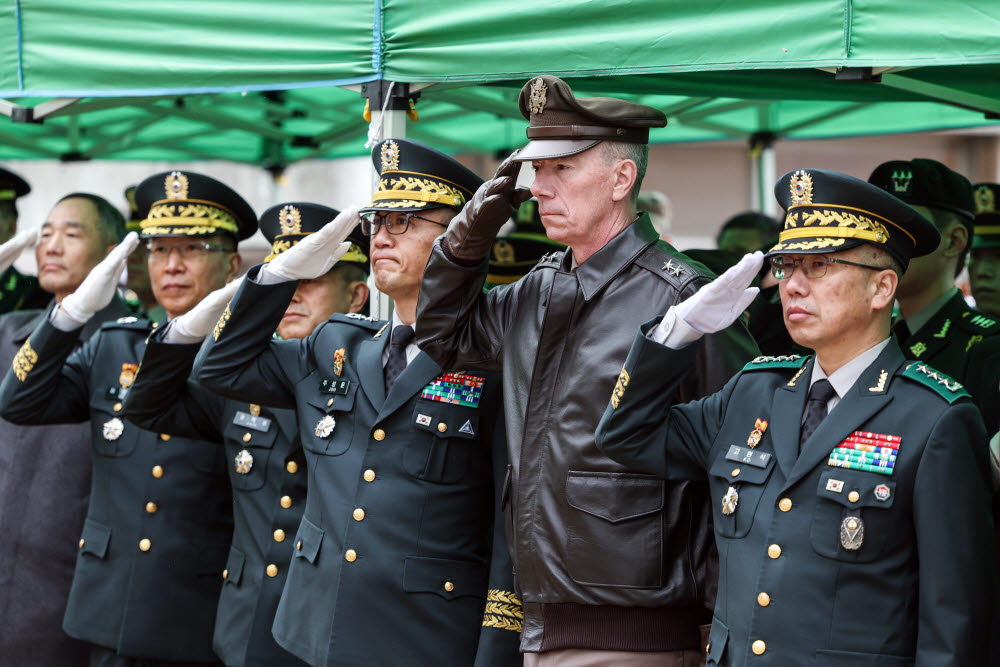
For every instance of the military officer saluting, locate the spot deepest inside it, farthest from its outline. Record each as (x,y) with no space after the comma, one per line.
(858,537)
(265,461)
(392,560)
(159,522)
(17,291)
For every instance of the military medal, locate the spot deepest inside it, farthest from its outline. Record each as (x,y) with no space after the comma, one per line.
(113,429)
(324,427)
(852,533)
(338,361)
(757,433)
(868,451)
(127,375)
(244,461)
(255,410)
(729,501)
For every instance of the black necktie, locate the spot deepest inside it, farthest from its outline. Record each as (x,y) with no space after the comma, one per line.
(901,330)
(402,336)
(819,395)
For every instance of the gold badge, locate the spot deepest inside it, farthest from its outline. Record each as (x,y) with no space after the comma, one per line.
(243,461)
(127,375)
(325,426)
(758,432)
(852,533)
(255,410)
(619,391)
(801,188)
(536,101)
(221,324)
(24,361)
(113,429)
(338,361)
(177,186)
(290,220)
(503,252)
(390,156)
(729,501)
(985,200)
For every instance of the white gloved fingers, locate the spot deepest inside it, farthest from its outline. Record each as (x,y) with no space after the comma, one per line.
(316,253)
(98,288)
(339,253)
(719,303)
(742,273)
(11,249)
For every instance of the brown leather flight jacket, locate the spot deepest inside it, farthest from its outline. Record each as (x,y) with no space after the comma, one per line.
(604,558)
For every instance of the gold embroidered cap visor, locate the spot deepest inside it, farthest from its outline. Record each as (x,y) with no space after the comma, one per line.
(286,224)
(183,203)
(415,177)
(562,124)
(828,212)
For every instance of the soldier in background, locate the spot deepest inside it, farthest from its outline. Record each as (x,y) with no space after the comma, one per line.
(17,290)
(984,264)
(138,291)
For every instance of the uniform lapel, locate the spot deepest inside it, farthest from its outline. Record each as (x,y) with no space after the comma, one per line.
(868,396)
(414,377)
(370,367)
(934,335)
(786,415)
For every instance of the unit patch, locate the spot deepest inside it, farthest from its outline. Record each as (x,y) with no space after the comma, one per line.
(467,428)
(882,492)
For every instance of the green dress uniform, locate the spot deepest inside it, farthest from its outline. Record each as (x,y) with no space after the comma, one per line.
(268,478)
(821,564)
(159,521)
(395,560)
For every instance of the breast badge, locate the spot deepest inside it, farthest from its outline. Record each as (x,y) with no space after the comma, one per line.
(113,429)
(882,492)
(324,427)
(127,375)
(852,533)
(729,501)
(758,432)
(338,361)
(244,462)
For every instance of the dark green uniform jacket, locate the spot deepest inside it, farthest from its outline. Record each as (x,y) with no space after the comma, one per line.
(268,476)
(913,583)
(159,522)
(957,341)
(392,560)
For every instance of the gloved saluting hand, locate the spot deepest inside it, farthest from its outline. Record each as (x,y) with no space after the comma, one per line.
(194,325)
(472,232)
(315,254)
(97,289)
(10,250)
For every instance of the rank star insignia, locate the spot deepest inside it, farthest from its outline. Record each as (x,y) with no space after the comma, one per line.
(113,429)
(852,533)
(729,501)
(338,361)
(127,374)
(243,461)
(758,432)
(324,427)
(673,268)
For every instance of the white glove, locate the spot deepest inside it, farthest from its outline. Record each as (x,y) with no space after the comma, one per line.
(10,250)
(315,254)
(96,290)
(719,303)
(194,325)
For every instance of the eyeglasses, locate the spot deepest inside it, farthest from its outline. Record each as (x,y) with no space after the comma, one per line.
(191,250)
(813,266)
(370,222)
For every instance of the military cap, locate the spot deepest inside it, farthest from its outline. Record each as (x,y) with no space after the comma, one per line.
(922,182)
(415,177)
(827,211)
(12,186)
(514,255)
(562,124)
(986,227)
(286,224)
(183,203)
(133,221)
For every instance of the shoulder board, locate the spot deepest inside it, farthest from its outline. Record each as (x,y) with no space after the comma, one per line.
(550,259)
(980,323)
(357,320)
(673,267)
(136,323)
(949,389)
(783,361)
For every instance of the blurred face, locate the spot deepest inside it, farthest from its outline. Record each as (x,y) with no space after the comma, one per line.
(984,277)
(70,246)
(138,270)
(314,302)
(179,283)
(741,240)
(575,195)
(398,260)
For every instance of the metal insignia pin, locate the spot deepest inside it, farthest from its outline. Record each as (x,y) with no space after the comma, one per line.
(882,492)
(758,432)
(243,461)
(338,361)
(113,429)
(255,410)
(852,533)
(324,427)
(729,501)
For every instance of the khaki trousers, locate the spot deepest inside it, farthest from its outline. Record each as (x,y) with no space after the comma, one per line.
(573,657)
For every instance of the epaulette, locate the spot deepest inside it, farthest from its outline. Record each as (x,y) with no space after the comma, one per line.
(135,323)
(783,361)
(357,320)
(553,258)
(979,323)
(678,272)
(949,389)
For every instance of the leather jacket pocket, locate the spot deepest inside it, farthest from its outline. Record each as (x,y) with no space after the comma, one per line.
(718,638)
(865,497)
(616,536)
(748,482)
(827,658)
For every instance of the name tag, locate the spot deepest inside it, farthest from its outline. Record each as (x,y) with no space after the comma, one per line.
(115,393)
(748,456)
(247,420)
(338,387)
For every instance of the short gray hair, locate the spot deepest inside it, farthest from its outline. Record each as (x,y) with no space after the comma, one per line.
(110,222)
(612,151)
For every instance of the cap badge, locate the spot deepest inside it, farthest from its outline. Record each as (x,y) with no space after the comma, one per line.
(901,181)
(882,492)
(536,101)
(290,220)
(985,202)
(802,188)
(177,186)
(503,252)
(390,156)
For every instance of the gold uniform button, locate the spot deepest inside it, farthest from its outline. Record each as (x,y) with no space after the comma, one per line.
(379,434)
(369,475)
(763,599)
(225,574)
(854,496)
(246,437)
(784,505)
(151,508)
(758,647)
(329,403)
(708,648)
(156,324)
(272,570)
(351,555)
(292,467)
(736,472)
(448,586)
(157,472)
(359,514)
(298,545)
(279,535)
(117,407)
(144,544)
(442,427)
(164,437)
(81,542)
(286,501)
(774,551)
